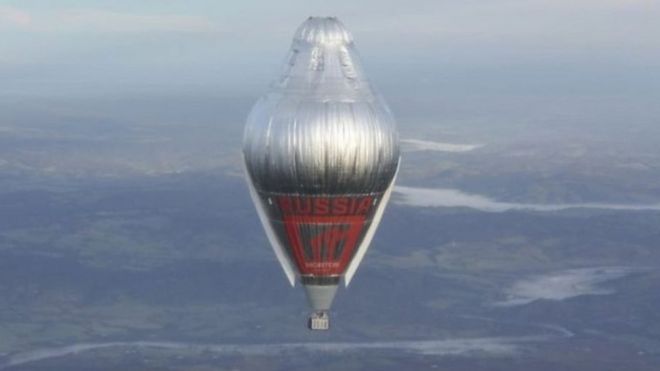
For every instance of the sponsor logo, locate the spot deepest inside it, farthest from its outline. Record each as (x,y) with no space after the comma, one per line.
(323,232)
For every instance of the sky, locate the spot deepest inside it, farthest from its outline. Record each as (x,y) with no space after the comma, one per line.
(236,47)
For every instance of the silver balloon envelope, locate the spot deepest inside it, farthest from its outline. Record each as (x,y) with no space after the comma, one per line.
(321,153)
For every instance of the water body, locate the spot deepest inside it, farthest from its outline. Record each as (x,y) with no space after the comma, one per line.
(416,145)
(564,285)
(446,197)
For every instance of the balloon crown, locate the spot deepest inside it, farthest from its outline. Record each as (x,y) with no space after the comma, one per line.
(326,31)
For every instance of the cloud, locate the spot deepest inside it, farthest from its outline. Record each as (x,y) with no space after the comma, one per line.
(564,285)
(14,16)
(564,25)
(108,21)
(440,197)
(99,20)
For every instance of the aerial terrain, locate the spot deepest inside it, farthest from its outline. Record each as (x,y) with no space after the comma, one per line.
(522,235)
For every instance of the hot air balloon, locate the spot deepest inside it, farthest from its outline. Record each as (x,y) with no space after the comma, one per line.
(321,154)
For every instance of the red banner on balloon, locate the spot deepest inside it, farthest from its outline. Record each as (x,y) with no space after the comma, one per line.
(324,232)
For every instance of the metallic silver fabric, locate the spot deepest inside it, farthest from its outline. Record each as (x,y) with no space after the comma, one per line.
(321,128)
